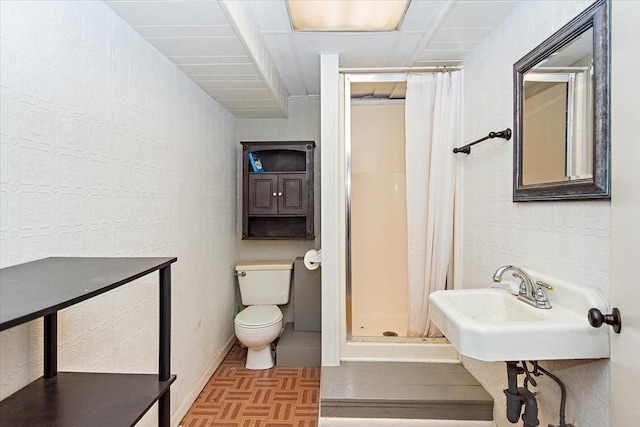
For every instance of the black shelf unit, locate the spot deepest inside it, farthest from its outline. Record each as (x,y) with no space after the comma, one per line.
(40,289)
(277,204)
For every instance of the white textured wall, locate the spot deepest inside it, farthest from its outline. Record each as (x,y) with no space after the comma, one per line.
(108,149)
(566,239)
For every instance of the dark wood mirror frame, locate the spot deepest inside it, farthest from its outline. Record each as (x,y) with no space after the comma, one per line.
(595,17)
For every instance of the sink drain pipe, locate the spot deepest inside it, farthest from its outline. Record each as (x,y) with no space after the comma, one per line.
(518,396)
(530,416)
(514,398)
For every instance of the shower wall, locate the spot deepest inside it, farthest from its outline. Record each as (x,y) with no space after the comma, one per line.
(379,293)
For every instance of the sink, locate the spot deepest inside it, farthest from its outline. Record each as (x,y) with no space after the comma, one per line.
(493,325)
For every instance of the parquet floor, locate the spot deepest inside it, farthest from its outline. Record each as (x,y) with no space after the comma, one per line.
(239,397)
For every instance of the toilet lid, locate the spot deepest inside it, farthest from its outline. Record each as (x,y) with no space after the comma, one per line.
(259,316)
(264,265)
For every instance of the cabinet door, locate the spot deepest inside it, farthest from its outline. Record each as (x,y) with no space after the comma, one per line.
(263,194)
(292,194)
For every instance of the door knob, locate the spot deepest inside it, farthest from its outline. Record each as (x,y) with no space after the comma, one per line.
(596,319)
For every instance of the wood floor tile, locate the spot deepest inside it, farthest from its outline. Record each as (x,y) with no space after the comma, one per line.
(239,397)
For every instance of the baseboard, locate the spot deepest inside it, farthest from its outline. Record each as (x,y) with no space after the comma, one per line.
(186,403)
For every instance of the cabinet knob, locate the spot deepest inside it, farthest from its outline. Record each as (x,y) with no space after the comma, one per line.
(279,193)
(274,194)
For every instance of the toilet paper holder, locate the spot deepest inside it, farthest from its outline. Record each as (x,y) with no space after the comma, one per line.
(313,259)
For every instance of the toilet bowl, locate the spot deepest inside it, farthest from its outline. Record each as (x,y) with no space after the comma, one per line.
(257,327)
(263,285)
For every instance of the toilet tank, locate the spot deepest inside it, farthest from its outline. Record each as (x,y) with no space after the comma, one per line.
(264,282)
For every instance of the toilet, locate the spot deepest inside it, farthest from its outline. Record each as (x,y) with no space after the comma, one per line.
(263,286)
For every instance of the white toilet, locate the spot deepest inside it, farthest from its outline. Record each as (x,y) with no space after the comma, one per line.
(263,286)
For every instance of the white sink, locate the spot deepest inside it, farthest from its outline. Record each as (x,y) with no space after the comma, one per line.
(493,325)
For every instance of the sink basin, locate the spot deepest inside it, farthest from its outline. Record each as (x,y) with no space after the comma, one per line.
(493,325)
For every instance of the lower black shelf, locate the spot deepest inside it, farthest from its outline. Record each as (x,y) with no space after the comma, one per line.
(279,227)
(83,399)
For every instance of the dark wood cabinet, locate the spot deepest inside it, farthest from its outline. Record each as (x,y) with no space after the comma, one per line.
(274,194)
(278,203)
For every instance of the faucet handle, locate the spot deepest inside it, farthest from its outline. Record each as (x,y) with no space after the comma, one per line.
(547,286)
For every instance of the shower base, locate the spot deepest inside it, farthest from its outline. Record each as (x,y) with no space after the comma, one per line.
(399,349)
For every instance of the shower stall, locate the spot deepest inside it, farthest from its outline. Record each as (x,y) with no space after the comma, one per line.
(375,231)
(378,219)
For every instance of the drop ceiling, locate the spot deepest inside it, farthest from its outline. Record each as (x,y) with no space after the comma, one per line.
(245,55)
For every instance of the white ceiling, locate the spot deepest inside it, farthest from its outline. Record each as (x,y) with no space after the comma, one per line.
(245,55)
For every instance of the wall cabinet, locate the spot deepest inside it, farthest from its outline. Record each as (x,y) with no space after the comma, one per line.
(278,203)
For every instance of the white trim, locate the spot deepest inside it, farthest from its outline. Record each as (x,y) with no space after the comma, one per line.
(625,208)
(329,214)
(401,69)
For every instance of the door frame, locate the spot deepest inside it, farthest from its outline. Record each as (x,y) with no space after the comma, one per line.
(625,211)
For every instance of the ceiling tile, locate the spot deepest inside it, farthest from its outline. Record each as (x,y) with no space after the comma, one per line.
(430,55)
(205,78)
(204,46)
(138,13)
(247,104)
(186,31)
(213,69)
(453,45)
(199,36)
(232,85)
(213,59)
(461,34)
(273,14)
(478,14)
(422,15)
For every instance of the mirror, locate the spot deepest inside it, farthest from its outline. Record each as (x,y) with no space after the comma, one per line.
(561,108)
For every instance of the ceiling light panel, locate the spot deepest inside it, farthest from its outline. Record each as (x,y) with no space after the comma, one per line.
(346,15)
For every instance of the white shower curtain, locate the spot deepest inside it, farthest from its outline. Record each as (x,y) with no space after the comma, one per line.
(432,127)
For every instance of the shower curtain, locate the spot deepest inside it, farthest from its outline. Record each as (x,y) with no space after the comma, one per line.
(432,126)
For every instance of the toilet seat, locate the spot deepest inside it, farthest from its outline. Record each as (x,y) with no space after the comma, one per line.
(258,316)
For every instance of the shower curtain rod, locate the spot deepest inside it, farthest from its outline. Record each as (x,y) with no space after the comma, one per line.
(401,69)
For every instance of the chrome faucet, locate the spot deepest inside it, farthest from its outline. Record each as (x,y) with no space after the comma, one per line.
(532,293)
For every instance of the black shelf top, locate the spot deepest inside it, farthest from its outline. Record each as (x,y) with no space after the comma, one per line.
(278,144)
(42,287)
(280,172)
(83,399)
